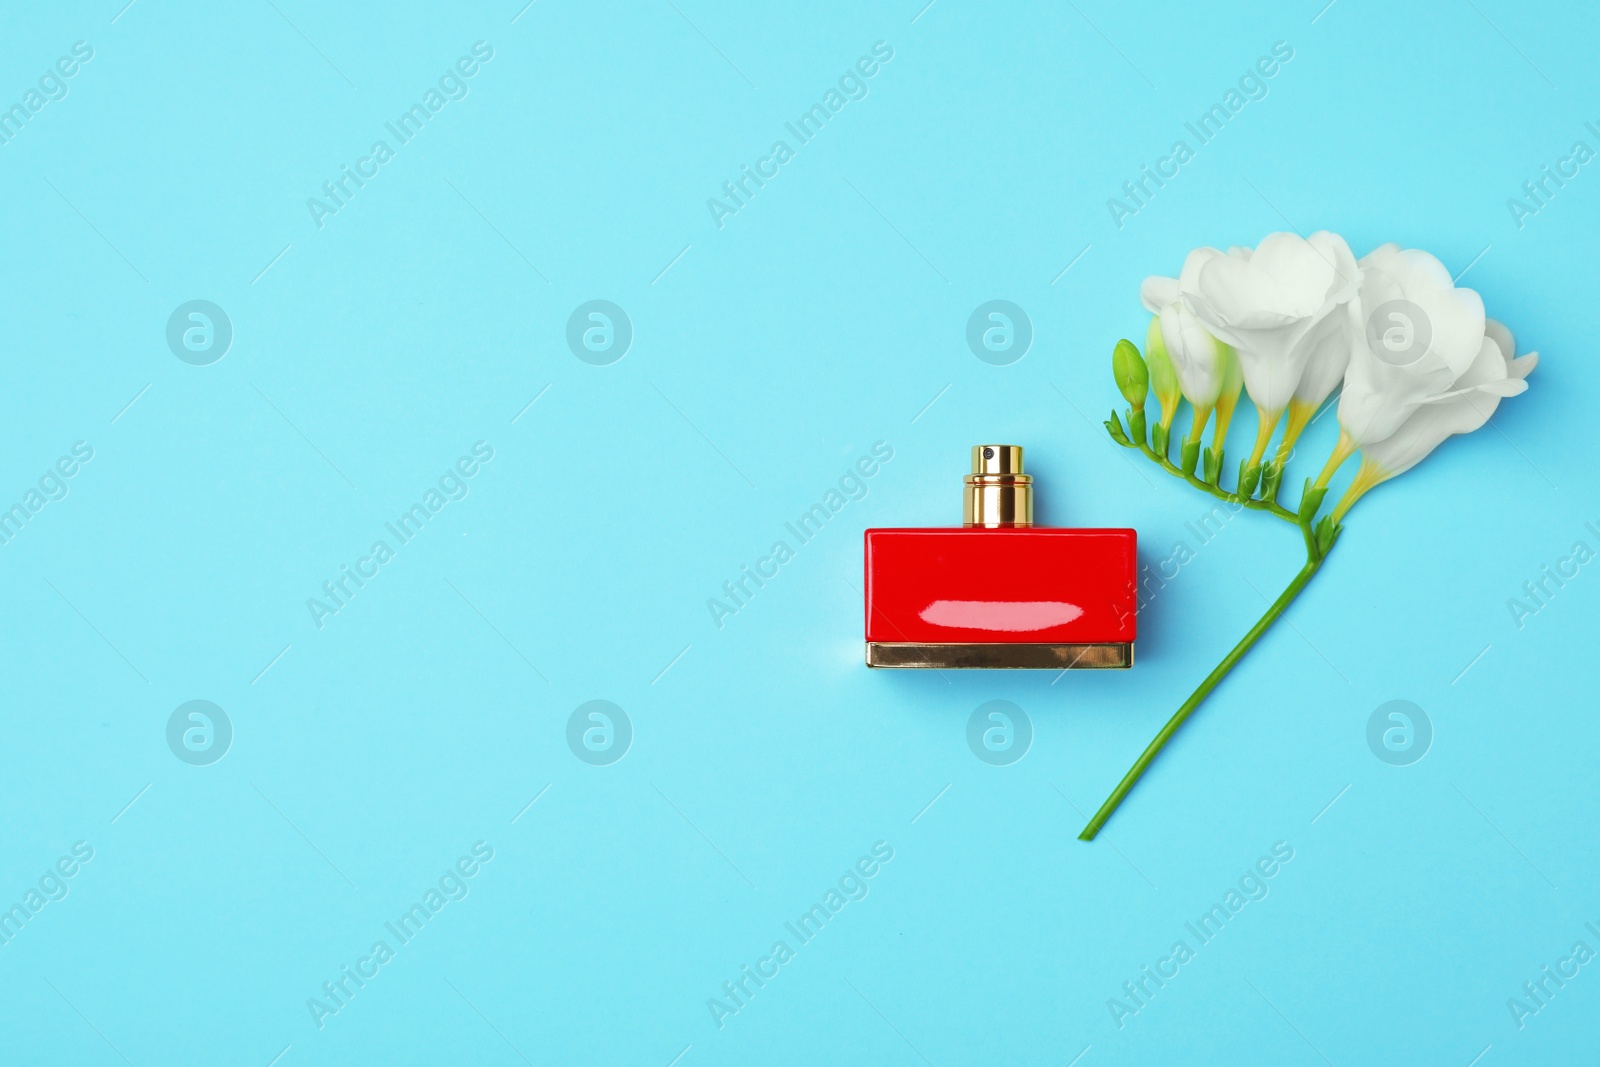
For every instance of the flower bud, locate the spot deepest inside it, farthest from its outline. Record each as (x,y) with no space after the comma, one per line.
(1163,379)
(1310,501)
(1133,377)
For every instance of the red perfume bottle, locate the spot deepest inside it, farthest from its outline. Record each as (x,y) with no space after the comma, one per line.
(999,591)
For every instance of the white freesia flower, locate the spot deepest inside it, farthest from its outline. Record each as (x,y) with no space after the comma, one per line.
(1414,336)
(1198,358)
(1276,306)
(1496,372)
(1206,369)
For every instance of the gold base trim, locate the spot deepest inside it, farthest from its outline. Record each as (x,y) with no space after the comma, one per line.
(1034,657)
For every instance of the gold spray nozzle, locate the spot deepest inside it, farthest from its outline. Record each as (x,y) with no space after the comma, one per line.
(997,493)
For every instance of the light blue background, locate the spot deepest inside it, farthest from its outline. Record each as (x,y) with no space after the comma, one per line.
(825,316)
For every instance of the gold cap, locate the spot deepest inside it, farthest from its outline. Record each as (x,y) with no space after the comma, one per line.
(997,493)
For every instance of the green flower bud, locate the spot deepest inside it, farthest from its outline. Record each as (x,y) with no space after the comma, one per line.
(1311,500)
(1327,533)
(1133,377)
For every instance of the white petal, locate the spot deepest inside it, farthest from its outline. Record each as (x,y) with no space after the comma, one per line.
(1491,366)
(1461,411)
(1455,317)
(1426,430)
(1347,273)
(1381,256)
(1378,396)
(1157,292)
(1195,355)
(1293,271)
(1414,268)
(1501,336)
(1235,293)
(1328,358)
(1192,263)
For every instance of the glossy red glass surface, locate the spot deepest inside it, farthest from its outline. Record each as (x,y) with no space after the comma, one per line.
(1021,585)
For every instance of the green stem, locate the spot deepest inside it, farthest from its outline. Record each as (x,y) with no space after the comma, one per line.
(1310,537)
(1154,748)
(1221,494)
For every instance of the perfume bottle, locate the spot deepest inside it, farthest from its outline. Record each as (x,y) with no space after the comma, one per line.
(999,591)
